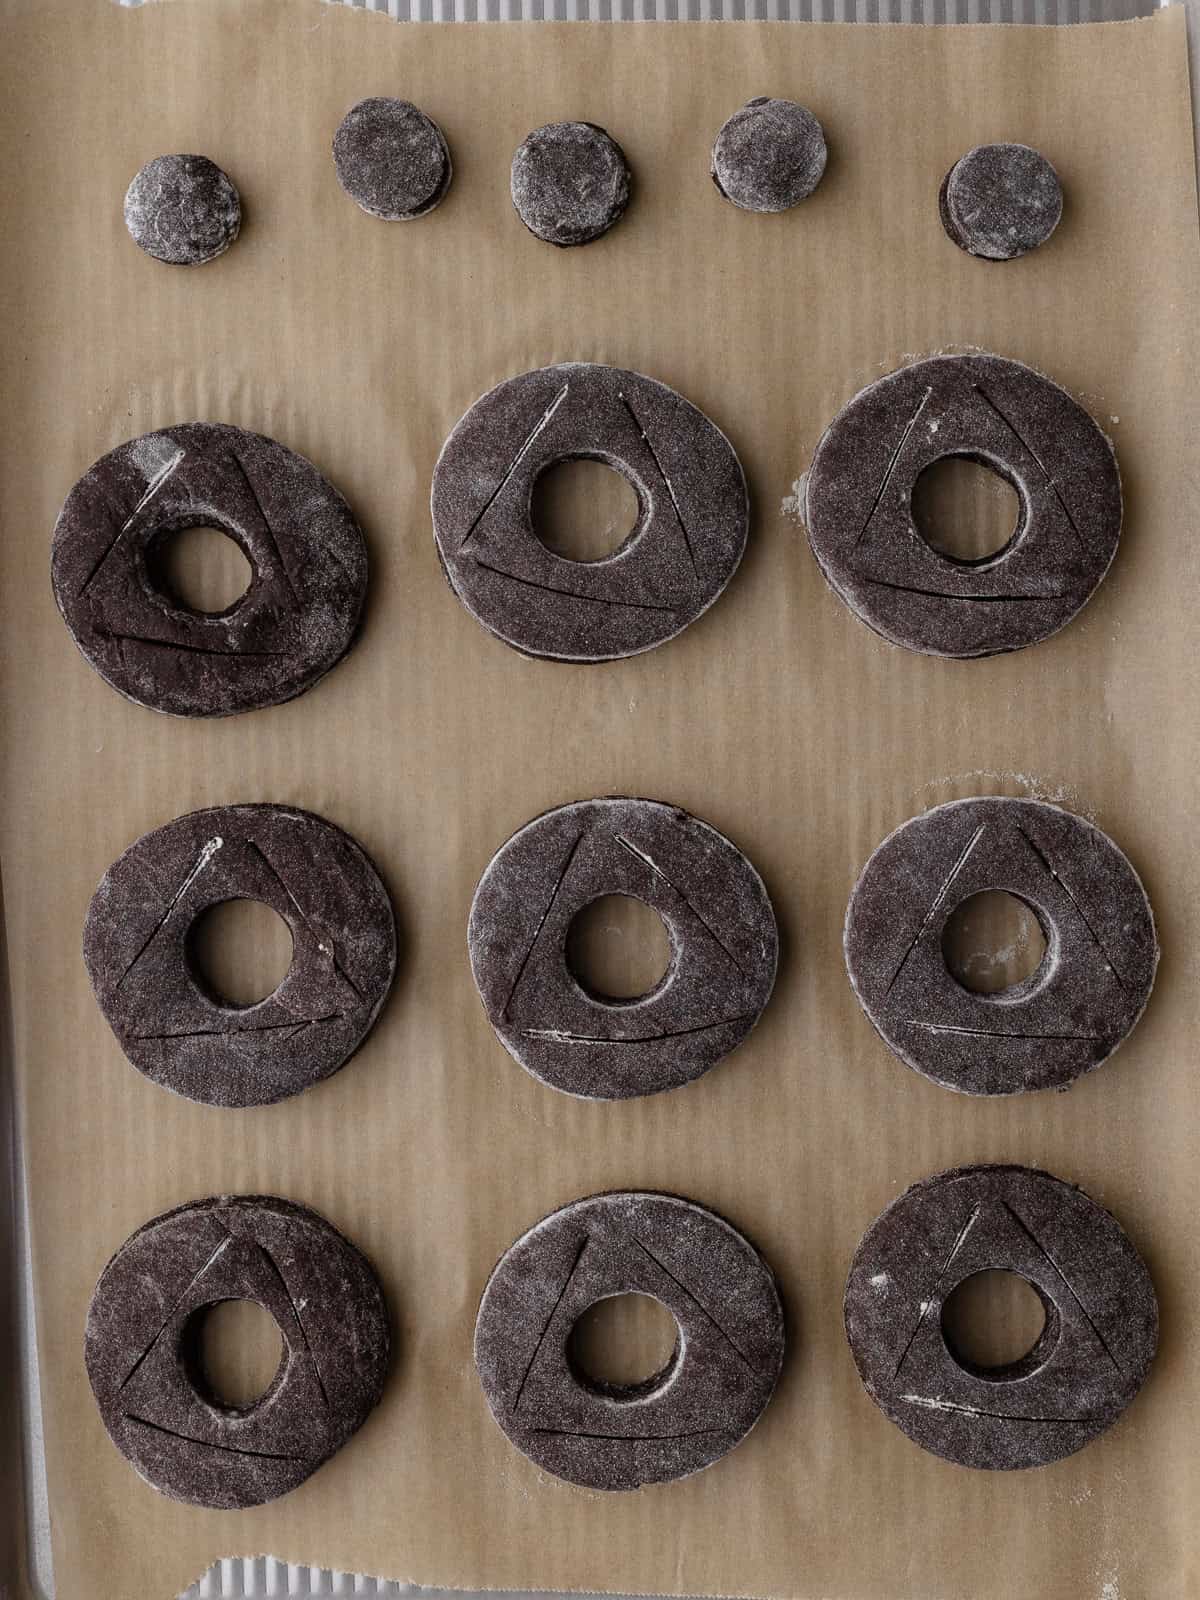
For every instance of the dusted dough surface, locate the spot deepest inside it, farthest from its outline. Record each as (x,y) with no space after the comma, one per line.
(570,182)
(329,1308)
(692,524)
(1064,1019)
(314,876)
(769,156)
(391,159)
(724,947)
(182,210)
(1000,201)
(727,1359)
(1091,1359)
(858,505)
(309,561)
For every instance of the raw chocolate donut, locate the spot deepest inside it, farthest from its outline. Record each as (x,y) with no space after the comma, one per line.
(297,619)
(135,944)
(724,947)
(141,1356)
(1068,1016)
(1000,201)
(713,1390)
(570,182)
(769,155)
(391,159)
(182,210)
(858,505)
(1090,1360)
(689,538)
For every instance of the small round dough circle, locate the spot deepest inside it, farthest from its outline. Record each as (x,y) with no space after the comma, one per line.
(570,182)
(769,156)
(1089,1362)
(728,1355)
(1000,201)
(982,408)
(690,535)
(1042,1033)
(182,210)
(300,615)
(327,1303)
(313,876)
(391,159)
(724,947)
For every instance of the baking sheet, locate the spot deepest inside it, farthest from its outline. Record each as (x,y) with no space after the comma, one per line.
(934,11)
(777,718)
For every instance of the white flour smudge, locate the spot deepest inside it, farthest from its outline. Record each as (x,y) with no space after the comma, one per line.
(1035,787)
(792,505)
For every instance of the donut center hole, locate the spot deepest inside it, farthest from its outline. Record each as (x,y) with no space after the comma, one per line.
(993,1321)
(618,948)
(964,510)
(199,569)
(231,1351)
(992,941)
(624,1346)
(240,951)
(582,509)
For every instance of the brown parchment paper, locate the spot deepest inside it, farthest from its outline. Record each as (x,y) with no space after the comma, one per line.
(778,718)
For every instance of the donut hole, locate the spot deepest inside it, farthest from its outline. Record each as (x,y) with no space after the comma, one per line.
(583,509)
(624,1346)
(998,1325)
(993,941)
(239,952)
(231,1351)
(199,569)
(618,948)
(965,510)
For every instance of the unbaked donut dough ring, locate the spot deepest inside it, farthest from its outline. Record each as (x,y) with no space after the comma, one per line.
(1068,1016)
(858,505)
(314,876)
(727,1356)
(724,946)
(769,156)
(689,538)
(1090,1360)
(570,182)
(391,159)
(1000,201)
(182,210)
(298,618)
(326,1302)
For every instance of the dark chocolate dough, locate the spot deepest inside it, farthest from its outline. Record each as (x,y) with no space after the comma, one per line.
(724,947)
(689,538)
(570,182)
(326,1301)
(135,944)
(1090,1360)
(769,155)
(1069,1015)
(182,210)
(391,159)
(296,621)
(1000,201)
(858,505)
(723,1372)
